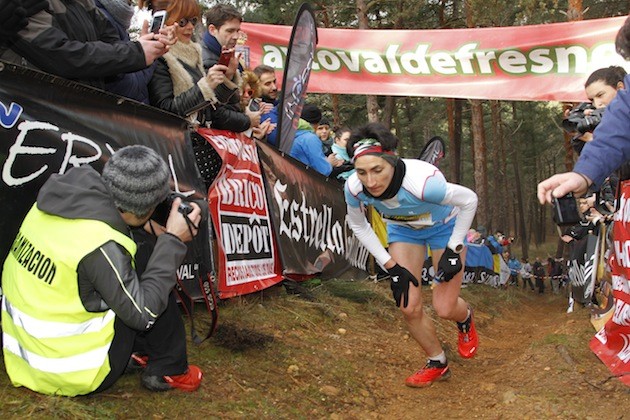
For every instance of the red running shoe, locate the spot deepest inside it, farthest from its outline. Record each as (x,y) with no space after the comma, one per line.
(431,372)
(468,340)
(188,381)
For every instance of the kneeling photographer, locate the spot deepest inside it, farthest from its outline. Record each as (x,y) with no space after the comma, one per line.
(74,330)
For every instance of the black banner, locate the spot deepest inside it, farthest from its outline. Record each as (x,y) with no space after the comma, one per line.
(49,125)
(309,215)
(297,71)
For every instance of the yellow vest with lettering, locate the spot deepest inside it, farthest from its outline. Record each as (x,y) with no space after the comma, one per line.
(51,344)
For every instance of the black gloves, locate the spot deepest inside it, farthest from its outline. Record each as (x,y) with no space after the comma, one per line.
(449,265)
(14,15)
(400,278)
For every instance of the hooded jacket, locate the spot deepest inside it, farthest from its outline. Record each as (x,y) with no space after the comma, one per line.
(106,276)
(307,148)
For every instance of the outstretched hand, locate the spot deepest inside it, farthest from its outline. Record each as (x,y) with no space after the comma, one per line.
(560,185)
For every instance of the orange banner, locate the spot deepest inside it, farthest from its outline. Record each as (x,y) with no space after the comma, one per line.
(538,62)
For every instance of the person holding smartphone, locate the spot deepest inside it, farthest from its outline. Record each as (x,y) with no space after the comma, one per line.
(74,40)
(218,46)
(180,84)
(422,210)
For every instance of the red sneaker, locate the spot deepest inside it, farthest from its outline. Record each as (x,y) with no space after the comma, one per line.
(188,381)
(468,340)
(431,372)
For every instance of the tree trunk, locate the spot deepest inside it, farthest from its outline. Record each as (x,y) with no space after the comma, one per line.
(454,112)
(388,112)
(575,11)
(334,98)
(371,102)
(499,203)
(480,162)
(521,231)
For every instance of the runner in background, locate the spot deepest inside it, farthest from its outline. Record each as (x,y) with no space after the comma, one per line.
(421,209)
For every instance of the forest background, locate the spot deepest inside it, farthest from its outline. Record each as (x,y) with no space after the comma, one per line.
(500,149)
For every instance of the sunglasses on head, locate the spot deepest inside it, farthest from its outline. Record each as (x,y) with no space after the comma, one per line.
(184,21)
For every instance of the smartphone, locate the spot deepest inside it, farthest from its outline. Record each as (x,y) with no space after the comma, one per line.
(157,22)
(226,56)
(254,105)
(565,210)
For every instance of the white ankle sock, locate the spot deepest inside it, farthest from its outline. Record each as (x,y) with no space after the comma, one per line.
(439,358)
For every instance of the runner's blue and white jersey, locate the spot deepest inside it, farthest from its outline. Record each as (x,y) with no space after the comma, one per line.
(425,199)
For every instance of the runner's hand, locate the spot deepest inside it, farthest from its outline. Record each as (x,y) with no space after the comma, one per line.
(400,278)
(449,265)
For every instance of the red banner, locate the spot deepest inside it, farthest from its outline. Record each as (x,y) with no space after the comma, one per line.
(247,255)
(537,62)
(612,343)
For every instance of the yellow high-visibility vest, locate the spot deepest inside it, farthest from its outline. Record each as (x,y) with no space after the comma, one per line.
(51,344)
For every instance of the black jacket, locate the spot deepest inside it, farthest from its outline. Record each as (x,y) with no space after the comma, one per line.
(218,113)
(74,40)
(229,115)
(106,276)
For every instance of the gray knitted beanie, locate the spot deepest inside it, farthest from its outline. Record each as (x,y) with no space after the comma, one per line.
(137,178)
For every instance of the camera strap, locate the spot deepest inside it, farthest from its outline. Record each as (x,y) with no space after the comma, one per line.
(204,279)
(188,303)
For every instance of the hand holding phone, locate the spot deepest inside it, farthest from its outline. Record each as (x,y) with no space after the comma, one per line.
(226,56)
(565,211)
(158,21)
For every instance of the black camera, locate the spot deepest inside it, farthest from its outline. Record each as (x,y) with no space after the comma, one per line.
(565,210)
(160,215)
(578,121)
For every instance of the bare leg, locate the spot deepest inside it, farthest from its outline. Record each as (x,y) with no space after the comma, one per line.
(420,326)
(446,300)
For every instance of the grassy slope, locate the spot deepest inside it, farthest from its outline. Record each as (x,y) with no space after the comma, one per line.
(341,354)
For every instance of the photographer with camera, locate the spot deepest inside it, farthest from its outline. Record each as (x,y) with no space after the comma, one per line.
(74,307)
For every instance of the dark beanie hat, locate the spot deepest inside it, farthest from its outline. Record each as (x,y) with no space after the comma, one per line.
(324,121)
(311,113)
(137,178)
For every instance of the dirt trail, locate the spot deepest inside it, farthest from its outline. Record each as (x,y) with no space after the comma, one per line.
(523,370)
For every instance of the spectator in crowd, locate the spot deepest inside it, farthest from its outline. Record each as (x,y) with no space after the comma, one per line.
(74,40)
(249,90)
(131,85)
(421,210)
(473,236)
(515,268)
(250,98)
(339,149)
(268,84)
(224,29)
(269,95)
(539,275)
(527,274)
(74,333)
(493,240)
(554,268)
(307,148)
(324,133)
(179,83)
